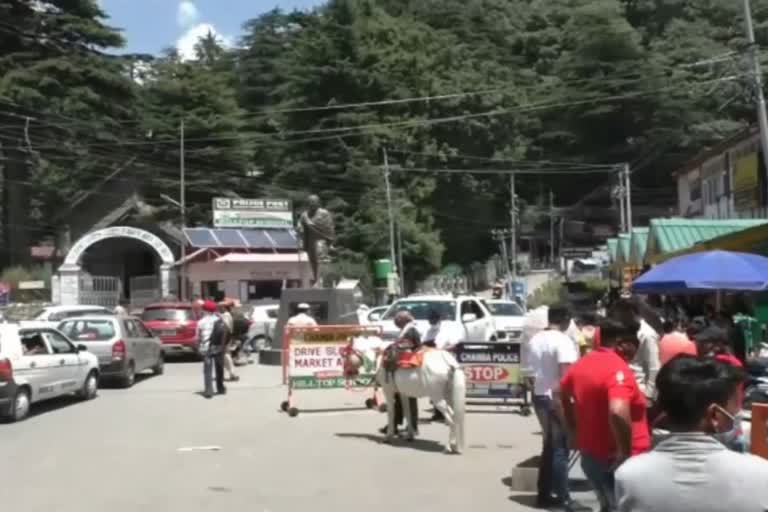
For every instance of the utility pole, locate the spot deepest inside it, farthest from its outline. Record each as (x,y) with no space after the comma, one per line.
(620,195)
(551,227)
(400,265)
(628,192)
(183,201)
(500,235)
(513,221)
(389,212)
(757,82)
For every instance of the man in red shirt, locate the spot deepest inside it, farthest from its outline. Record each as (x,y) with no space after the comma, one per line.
(604,409)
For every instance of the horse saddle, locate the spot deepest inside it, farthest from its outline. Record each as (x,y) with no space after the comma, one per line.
(397,357)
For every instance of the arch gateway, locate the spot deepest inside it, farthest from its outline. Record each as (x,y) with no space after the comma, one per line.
(69,286)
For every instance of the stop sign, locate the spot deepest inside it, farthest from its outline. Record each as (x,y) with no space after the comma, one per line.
(485,373)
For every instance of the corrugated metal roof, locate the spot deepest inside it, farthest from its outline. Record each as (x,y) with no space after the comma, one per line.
(613,246)
(622,254)
(637,245)
(677,234)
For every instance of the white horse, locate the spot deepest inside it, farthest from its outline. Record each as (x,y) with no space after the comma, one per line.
(440,378)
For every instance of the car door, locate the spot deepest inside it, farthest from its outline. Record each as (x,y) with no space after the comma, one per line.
(137,349)
(66,361)
(476,328)
(36,365)
(152,344)
(467,334)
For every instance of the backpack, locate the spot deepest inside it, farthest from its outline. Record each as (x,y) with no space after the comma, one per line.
(219,333)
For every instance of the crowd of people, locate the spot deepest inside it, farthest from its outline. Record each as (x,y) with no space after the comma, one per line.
(654,413)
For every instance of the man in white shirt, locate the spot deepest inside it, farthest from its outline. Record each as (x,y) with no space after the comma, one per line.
(212,356)
(550,354)
(302,317)
(647,362)
(440,335)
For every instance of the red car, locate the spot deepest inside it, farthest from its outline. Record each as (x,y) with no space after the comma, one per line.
(176,326)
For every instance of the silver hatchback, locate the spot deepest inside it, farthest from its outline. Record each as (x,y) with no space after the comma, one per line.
(123,345)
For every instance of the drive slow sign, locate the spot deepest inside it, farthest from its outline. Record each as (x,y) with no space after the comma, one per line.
(492,369)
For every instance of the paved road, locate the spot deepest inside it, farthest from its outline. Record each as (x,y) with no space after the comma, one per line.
(120,453)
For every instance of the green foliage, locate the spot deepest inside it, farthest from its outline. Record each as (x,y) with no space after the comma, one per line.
(593,81)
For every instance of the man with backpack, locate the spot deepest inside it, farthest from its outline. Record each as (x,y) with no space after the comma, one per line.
(212,336)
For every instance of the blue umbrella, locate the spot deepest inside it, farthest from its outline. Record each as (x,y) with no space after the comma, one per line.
(706,271)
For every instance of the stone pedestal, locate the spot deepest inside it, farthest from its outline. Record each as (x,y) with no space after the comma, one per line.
(525,475)
(69,285)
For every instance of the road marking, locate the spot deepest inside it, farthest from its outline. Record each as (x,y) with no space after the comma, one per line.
(199,449)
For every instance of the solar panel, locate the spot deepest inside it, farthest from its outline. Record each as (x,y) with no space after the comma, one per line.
(257,239)
(230,238)
(200,238)
(283,238)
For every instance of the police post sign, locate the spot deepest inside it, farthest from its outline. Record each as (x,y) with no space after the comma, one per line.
(492,369)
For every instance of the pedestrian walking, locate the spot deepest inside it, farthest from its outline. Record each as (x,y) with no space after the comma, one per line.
(211,336)
(408,339)
(550,354)
(226,306)
(646,363)
(692,469)
(604,409)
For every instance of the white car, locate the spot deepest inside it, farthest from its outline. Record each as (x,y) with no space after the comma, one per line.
(469,316)
(510,319)
(52,315)
(261,332)
(38,363)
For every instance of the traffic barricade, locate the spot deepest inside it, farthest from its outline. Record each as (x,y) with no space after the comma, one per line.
(493,372)
(312,360)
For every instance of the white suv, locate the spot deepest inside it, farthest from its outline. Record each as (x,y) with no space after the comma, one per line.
(38,363)
(468,314)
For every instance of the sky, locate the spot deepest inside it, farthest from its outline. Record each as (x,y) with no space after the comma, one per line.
(150,26)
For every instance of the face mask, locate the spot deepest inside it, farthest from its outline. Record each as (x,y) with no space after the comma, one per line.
(730,436)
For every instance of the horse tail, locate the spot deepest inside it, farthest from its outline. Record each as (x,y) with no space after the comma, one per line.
(458,398)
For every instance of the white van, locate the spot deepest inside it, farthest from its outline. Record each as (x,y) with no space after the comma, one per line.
(38,363)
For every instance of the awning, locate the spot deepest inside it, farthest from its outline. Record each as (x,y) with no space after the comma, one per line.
(676,236)
(262,258)
(613,246)
(637,245)
(206,238)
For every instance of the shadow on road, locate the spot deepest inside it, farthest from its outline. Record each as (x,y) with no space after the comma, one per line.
(423,445)
(526,500)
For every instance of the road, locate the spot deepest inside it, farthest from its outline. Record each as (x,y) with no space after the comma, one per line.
(123,452)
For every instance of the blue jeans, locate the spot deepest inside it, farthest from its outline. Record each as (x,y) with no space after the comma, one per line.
(600,475)
(553,469)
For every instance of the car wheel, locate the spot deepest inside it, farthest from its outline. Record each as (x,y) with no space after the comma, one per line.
(159,368)
(90,387)
(129,378)
(20,406)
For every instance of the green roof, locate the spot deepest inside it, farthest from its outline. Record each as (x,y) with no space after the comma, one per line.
(637,245)
(677,234)
(622,255)
(613,246)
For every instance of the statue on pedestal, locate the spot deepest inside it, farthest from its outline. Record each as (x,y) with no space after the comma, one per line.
(317,233)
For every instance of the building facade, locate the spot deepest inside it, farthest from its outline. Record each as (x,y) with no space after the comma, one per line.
(725,182)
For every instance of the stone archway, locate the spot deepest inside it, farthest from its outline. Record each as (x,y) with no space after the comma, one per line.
(68,291)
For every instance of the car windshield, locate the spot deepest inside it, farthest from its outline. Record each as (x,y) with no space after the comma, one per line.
(420,309)
(504,309)
(167,314)
(88,330)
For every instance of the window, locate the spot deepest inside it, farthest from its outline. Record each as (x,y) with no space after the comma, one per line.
(130,329)
(212,290)
(258,290)
(504,309)
(88,330)
(59,343)
(167,314)
(143,331)
(420,309)
(695,189)
(476,309)
(33,344)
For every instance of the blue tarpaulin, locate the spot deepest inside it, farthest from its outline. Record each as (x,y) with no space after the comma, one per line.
(706,271)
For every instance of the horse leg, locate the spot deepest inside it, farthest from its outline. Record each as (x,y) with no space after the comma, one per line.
(442,406)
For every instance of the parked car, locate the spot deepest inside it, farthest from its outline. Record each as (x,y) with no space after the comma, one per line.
(509,317)
(261,331)
(123,345)
(176,325)
(468,314)
(39,363)
(375,314)
(53,315)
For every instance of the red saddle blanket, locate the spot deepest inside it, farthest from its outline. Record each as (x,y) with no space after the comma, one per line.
(410,359)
